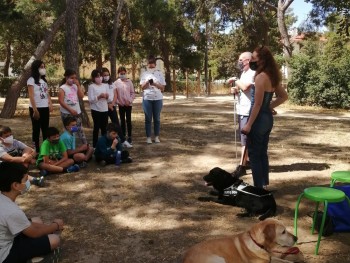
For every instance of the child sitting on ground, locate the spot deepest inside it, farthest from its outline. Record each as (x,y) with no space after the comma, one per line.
(82,154)
(22,239)
(108,145)
(53,157)
(14,151)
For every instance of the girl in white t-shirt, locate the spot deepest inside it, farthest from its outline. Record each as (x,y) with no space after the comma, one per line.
(68,97)
(40,104)
(98,98)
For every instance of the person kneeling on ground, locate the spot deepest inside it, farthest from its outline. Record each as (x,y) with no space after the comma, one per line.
(108,145)
(82,154)
(53,157)
(20,238)
(14,151)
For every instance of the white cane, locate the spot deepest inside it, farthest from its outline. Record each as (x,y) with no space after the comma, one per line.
(235,121)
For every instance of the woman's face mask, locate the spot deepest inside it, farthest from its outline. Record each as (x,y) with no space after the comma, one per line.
(253,65)
(42,71)
(70,82)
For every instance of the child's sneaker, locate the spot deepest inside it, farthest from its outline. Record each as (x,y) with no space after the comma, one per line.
(156,139)
(52,257)
(73,168)
(38,181)
(43,173)
(149,140)
(83,165)
(129,140)
(127,144)
(127,160)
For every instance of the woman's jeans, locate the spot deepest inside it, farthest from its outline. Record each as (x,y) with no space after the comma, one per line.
(152,108)
(258,140)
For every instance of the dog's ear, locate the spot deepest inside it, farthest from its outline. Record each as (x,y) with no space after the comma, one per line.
(269,234)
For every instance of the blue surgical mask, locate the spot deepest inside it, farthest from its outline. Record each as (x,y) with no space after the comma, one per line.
(74,129)
(26,189)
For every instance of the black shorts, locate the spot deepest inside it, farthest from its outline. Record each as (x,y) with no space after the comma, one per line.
(25,248)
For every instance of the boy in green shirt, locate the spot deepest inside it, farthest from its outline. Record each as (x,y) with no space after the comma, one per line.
(53,157)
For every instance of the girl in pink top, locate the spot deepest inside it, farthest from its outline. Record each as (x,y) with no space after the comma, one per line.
(126,95)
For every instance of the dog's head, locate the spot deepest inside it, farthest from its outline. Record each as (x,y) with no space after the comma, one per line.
(219,179)
(271,233)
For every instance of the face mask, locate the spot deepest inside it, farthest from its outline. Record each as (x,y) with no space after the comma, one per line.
(26,189)
(42,71)
(98,80)
(106,78)
(253,65)
(56,141)
(74,129)
(122,76)
(8,140)
(70,82)
(240,65)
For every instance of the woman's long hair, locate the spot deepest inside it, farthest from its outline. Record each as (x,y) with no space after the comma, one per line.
(268,65)
(35,71)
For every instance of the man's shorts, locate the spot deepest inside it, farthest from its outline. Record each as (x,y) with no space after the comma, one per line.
(242,122)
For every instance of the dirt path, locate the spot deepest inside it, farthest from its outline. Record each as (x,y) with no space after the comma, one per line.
(148,211)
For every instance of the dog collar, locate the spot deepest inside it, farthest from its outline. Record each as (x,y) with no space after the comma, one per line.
(256,243)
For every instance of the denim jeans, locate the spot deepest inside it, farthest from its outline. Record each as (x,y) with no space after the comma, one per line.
(152,108)
(100,123)
(113,115)
(258,140)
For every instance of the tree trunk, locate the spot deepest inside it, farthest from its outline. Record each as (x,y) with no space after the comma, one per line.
(113,44)
(13,93)
(8,59)
(281,10)
(287,46)
(72,48)
(174,85)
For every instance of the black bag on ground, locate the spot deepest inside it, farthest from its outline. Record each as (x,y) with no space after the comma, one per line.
(328,224)
(256,200)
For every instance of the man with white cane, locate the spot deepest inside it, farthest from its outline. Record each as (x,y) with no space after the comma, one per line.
(241,89)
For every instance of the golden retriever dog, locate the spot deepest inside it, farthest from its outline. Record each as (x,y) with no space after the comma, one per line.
(260,244)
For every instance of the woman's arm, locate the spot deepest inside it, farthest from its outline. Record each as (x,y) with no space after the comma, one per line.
(281,96)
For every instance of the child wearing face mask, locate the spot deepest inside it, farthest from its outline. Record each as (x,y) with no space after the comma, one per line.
(68,97)
(22,239)
(14,151)
(40,104)
(53,157)
(112,106)
(107,147)
(82,154)
(126,96)
(98,98)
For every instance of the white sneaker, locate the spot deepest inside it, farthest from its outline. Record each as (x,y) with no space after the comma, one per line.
(127,144)
(149,140)
(156,139)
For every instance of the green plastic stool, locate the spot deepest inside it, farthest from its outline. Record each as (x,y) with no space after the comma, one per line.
(340,176)
(319,194)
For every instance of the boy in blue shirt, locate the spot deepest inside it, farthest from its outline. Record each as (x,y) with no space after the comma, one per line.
(108,145)
(82,154)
